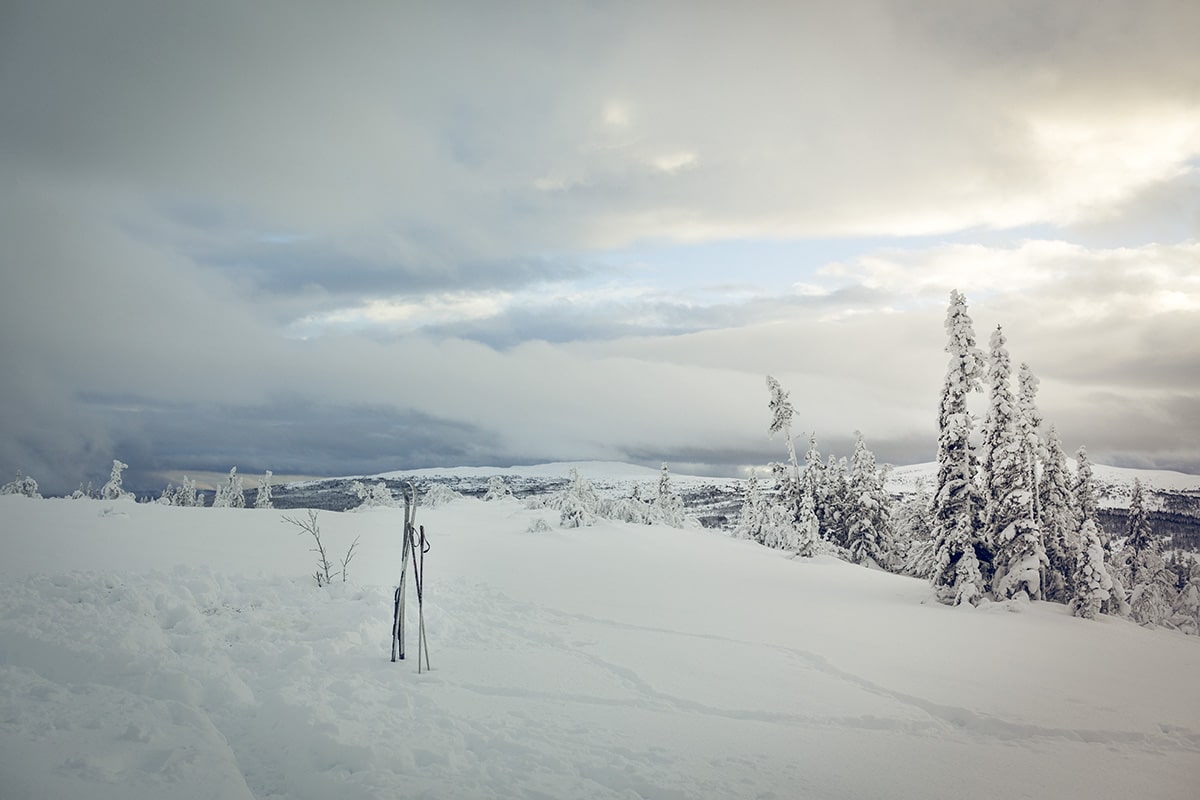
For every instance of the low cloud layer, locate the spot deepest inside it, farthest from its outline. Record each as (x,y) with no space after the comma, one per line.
(316,239)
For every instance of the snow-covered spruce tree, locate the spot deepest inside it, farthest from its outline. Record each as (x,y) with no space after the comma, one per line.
(1028,425)
(22,485)
(913,525)
(783,513)
(668,506)
(1084,487)
(263,498)
(497,489)
(1185,615)
(1010,529)
(1092,583)
(750,521)
(812,480)
(83,494)
(869,536)
(579,503)
(1152,593)
(230,494)
(834,501)
(957,503)
(112,490)
(1060,522)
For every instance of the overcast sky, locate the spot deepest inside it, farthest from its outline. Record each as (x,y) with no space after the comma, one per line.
(344,238)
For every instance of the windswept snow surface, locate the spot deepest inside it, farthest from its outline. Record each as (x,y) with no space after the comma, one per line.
(157,652)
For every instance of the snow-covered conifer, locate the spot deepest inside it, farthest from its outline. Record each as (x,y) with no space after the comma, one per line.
(374,495)
(812,480)
(1185,615)
(957,503)
(1028,424)
(112,490)
(263,498)
(869,536)
(22,485)
(230,494)
(750,521)
(579,503)
(1092,584)
(1060,521)
(438,495)
(914,532)
(834,500)
(1010,528)
(1086,504)
(1152,592)
(668,506)
(497,488)
(1139,534)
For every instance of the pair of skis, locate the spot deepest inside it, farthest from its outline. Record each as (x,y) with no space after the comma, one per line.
(414,548)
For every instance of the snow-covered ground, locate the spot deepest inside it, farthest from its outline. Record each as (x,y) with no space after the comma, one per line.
(158,652)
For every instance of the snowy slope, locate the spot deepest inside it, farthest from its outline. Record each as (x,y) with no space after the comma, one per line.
(152,652)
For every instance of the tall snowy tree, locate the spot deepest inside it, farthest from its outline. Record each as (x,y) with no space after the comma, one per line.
(957,503)
(1028,425)
(668,506)
(834,499)
(1060,521)
(1011,530)
(750,522)
(812,480)
(869,536)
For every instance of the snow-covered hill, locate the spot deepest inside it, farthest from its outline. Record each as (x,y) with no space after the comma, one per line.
(154,652)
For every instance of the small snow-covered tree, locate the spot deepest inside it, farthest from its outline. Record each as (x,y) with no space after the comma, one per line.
(914,531)
(112,490)
(375,495)
(1092,584)
(83,494)
(1139,533)
(1010,527)
(957,504)
(834,502)
(439,494)
(1185,615)
(22,485)
(668,506)
(579,503)
(497,489)
(263,498)
(231,493)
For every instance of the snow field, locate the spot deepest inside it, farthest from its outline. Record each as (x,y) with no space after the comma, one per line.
(150,652)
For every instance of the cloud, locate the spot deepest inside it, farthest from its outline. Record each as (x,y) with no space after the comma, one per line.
(469,218)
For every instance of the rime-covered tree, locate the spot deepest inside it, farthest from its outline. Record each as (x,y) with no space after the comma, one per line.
(1086,504)
(1060,521)
(372,495)
(112,490)
(834,501)
(750,521)
(1028,426)
(1152,592)
(869,536)
(497,488)
(579,503)
(230,494)
(1010,529)
(812,480)
(1185,615)
(263,499)
(22,485)
(913,525)
(668,506)
(1092,583)
(957,503)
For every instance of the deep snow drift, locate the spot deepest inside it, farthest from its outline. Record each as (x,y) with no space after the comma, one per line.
(158,652)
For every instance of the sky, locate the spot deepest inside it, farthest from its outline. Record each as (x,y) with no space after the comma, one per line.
(328,239)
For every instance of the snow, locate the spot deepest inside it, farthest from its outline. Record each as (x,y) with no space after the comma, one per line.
(150,651)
